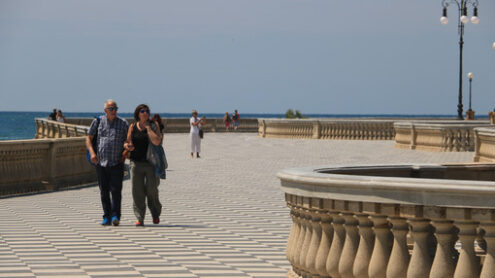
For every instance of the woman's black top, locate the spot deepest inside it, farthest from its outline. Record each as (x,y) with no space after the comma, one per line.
(140,140)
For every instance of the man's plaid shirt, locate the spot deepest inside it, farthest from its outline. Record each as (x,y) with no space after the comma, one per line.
(110,138)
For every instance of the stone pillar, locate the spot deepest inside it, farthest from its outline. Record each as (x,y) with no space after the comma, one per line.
(351,244)
(444,261)
(488,270)
(399,258)
(325,243)
(382,248)
(421,260)
(469,115)
(316,130)
(332,263)
(366,243)
(468,265)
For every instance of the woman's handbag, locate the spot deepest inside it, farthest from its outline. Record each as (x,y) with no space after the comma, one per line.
(156,156)
(201,133)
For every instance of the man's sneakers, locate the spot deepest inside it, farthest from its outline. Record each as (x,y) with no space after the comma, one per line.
(115,221)
(139,223)
(106,221)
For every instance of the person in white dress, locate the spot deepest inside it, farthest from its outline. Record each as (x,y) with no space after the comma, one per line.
(195,124)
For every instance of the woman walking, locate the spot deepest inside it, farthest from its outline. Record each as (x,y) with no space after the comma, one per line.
(226,121)
(195,124)
(144,181)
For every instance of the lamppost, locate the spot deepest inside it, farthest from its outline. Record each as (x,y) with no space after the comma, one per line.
(470,112)
(462,19)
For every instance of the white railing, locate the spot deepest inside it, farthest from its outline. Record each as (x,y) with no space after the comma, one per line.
(391,221)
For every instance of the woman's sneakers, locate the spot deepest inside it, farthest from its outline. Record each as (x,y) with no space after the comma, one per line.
(139,223)
(156,220)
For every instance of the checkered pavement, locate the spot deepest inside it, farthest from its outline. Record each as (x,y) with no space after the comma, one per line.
(224,214)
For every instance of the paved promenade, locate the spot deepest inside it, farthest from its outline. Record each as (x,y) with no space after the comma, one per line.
(224,214)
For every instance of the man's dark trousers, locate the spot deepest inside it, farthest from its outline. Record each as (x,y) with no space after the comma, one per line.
(110,181)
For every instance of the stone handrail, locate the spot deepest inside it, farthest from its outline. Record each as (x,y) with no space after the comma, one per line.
(446,136)
(484,145)
(350,129)
(43,164)
(181,125)
(391,221)
(53,129)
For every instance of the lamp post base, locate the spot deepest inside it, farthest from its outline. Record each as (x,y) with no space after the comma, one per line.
(469,115)
(491,115)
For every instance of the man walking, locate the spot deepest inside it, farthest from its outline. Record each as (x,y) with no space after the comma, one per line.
(111,133)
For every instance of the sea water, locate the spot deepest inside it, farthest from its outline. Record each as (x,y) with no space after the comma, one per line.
(21,125)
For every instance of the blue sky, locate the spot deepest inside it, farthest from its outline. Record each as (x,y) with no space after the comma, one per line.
(258,56)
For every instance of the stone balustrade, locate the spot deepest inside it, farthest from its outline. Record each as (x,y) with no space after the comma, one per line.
(446,136)
(53,129)
(345,129)
(43,164)
(484,144)
(391,221)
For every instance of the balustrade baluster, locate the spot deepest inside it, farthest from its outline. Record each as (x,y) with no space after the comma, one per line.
(382,247)
(488,270)
(351,244)
(421,260)
(305,246)
(468,265)
(399,257)
(292,234)
(314,243)
(325,243)
(366,243)
(445,259)
(332,263)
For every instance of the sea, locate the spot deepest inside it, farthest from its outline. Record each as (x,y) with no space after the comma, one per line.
(21,125)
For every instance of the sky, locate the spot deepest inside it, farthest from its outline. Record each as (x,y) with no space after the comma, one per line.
(257,56)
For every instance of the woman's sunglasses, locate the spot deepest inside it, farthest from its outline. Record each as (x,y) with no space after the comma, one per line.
(142,111)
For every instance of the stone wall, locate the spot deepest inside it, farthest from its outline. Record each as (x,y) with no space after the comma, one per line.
(447,136)
(351,129)
(43,164)
(391,221)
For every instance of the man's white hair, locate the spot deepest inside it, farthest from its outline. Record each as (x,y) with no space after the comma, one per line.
(109,101)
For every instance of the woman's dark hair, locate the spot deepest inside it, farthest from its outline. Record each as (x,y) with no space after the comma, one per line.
(138,108)
(158,119)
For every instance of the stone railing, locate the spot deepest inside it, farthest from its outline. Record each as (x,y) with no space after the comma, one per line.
(446,136)
(391,221)
(53,129)
(181,125)
(351,129)
(484,150)
(43,164)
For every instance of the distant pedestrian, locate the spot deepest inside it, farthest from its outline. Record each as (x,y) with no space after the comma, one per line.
(111,133)
(194,133)
(53,115)
(143,178)
(226,121)
(236,118)
(60,117)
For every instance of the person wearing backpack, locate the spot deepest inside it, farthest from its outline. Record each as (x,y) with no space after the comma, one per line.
(110,132)
(235,118)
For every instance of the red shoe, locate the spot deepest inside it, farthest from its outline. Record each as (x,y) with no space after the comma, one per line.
(156,220)
(139,223)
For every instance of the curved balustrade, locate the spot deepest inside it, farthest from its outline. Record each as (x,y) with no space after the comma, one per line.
(446,136)
(43,164)
(391,221)
(53,129)
(484,145)
(355,129)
